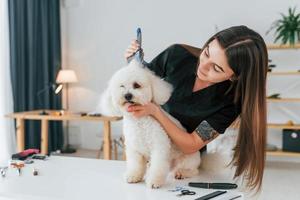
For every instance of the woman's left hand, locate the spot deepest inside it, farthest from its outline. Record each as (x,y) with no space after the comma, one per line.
(139,111)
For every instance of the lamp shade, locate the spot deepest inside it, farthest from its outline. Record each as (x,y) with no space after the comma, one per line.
(66,76)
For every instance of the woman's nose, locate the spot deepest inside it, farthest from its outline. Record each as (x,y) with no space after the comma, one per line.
(205,63)
(205,66)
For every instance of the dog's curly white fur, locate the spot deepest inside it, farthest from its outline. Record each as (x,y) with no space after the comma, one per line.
(149,150)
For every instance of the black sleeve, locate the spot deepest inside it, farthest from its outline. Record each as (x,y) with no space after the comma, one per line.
(223,118)
(159,64)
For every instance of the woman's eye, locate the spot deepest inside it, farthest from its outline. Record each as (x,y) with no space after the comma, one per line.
(122,86)
(136,85)
(216,68)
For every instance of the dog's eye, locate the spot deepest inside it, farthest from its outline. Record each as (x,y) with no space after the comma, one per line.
(122,86)
(136,85)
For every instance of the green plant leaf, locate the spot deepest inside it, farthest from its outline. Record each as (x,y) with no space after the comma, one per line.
(292,38)
(287,29)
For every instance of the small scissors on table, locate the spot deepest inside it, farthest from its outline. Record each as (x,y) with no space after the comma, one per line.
(177,188)
(186,192)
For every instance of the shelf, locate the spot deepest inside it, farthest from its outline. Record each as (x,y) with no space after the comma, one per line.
(273,125)
(283,46)
(284,73)
(283,153)
(284,126)
(283,99)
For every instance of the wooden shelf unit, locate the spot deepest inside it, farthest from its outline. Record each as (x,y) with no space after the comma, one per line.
(283,153)
(234,126)
(283,126)
(283,73)
(283,99)
(283,46)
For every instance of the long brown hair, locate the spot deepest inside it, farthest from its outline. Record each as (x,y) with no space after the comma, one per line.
(247,55)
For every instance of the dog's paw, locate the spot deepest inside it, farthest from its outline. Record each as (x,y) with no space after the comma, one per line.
(133,178)
(179,175)
(185,173)
(155,183)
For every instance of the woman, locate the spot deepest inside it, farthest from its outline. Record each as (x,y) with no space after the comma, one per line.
(224,81)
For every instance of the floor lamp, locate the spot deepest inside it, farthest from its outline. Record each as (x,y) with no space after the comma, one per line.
(64,77)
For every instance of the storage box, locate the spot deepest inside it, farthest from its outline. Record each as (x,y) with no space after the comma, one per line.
(291,140)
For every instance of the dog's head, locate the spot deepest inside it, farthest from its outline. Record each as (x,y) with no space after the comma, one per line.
(133,85)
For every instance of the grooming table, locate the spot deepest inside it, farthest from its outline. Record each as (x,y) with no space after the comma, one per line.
(80,178)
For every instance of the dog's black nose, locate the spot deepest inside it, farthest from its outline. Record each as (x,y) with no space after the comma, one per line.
(128,96)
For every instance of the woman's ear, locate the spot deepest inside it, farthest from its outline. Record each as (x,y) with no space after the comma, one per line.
(161,90)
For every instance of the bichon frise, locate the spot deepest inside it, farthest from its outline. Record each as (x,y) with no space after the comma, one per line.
(148,147)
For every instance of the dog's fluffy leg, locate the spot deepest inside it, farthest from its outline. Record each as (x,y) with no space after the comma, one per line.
(158,170)
(186,166)
(136,166)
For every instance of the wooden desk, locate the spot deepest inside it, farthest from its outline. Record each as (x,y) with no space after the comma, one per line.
(54,116)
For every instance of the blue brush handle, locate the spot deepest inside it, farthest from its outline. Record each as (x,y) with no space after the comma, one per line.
(139,36)
(138,54)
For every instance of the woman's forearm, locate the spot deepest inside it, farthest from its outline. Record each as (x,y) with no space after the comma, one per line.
(186,142)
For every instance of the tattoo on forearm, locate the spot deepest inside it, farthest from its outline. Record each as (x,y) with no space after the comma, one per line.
(205,131)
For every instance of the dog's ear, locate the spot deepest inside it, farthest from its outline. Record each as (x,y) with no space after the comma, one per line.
(161,90)
(107,106)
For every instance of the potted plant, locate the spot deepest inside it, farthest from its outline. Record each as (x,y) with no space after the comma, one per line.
(287,29)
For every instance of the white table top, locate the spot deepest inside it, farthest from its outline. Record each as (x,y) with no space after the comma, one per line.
(80,178)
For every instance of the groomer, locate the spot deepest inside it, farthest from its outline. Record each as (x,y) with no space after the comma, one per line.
(214,86)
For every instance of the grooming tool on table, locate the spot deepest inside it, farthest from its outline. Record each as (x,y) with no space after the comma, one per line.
(18,166)
(24,154)
(236,197)
(185,192)
(223,186)
(3,171)
(177,188)
(211,195)
(39,157)
(35,172)
(28,161)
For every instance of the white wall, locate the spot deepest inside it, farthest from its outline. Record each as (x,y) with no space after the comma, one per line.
(95,34)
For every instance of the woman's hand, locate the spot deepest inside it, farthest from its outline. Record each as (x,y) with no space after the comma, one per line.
(139,111)
(132,49)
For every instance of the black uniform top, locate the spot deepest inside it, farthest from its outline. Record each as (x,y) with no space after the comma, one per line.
(178,66)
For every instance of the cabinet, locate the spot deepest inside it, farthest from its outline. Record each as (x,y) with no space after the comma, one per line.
(279,100)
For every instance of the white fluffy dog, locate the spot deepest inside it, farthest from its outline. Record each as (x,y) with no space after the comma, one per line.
(145,139)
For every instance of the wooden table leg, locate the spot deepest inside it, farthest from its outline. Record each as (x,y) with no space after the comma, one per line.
(107,141)
(44,137)
(20,134)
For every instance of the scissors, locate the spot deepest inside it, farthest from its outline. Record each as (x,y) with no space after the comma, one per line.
(186,192)
(177,188)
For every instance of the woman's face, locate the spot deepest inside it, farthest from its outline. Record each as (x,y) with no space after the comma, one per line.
(213,66)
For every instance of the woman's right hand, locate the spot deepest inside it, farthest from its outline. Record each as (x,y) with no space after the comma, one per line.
(132,49)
